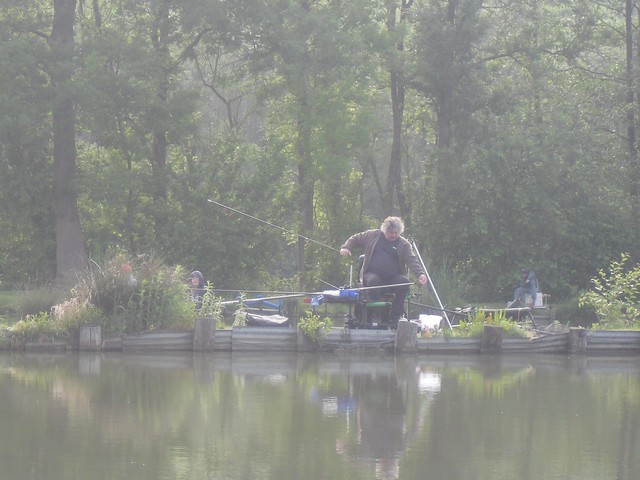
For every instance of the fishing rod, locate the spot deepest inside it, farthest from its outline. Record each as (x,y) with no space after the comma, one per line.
(311,294)
(272,292)
(272,225)
(264,299)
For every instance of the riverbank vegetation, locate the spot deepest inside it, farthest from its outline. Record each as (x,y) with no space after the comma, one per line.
(129,295)
(119,294)
(615,296)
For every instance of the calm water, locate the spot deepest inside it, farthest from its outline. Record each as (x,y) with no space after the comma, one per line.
(232,417)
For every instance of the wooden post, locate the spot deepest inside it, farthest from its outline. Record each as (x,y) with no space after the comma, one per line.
(204,334)
(406,337)
(492,339)
(90,337)
(578,340)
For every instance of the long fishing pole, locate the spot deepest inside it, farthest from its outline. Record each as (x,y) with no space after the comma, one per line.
(310,294)
(272,225)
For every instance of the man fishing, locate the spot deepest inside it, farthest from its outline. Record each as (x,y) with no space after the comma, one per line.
(387,255)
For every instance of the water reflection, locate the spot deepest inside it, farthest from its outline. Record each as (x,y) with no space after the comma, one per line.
(383,404)
(259,416)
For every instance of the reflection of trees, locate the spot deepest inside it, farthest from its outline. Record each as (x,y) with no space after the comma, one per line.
(283,417)
(494,385)
(122,415)
(504,420)
(620,395)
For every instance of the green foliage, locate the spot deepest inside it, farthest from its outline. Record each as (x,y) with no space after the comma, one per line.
(159,302)
(314,327)
(109,285)
(474,325)
(35,328)
(211,304)
(615,295)
(240,314)
(239,317)
(122,296)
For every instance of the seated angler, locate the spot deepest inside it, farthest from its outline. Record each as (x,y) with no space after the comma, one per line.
(528,284)
(196,288)
(388,255)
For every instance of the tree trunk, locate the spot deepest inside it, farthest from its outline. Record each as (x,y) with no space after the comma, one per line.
(397,87)
(70,249)
(634,167)
(159,143)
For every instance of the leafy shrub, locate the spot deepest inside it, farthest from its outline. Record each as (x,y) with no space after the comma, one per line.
(70,315)
(144,295)
(474,325)
(139,295)
(240,314)
(160,301)
(315,327)
(211,304)
(35,328)
(615,295)
(109,286)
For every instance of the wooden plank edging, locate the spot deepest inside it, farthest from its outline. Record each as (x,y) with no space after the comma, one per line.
(285,339)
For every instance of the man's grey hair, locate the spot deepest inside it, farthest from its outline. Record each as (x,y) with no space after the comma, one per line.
(392,224)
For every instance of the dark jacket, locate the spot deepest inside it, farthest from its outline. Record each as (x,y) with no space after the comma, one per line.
(366,241)
(197,292)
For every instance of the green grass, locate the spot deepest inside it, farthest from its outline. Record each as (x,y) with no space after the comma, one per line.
(8,313)
(7,301)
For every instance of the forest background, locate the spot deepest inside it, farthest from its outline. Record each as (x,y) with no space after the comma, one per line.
(504,133)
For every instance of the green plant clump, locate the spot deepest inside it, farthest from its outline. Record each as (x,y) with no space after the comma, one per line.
(315,327)
(474,326)
(35,328)
(615,296)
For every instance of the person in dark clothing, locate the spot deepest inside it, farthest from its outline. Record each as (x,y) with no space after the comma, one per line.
(196,288)
(387,256)
(528,284)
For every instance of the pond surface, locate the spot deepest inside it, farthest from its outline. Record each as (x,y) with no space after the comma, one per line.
(260,416)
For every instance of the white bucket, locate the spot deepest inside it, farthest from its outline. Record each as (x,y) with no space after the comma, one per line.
(429,322)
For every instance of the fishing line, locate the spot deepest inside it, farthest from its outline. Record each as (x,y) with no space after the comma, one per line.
(273,225)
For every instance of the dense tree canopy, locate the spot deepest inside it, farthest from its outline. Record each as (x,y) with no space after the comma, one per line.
(504,134)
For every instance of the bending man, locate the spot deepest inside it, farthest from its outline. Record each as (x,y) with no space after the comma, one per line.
(387,255)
